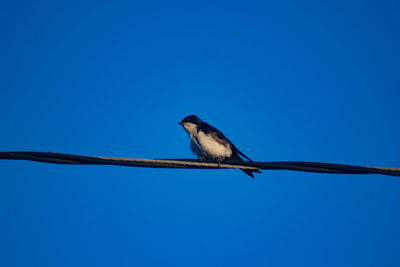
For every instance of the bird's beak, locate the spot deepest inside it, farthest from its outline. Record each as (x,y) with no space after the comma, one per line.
(180,123)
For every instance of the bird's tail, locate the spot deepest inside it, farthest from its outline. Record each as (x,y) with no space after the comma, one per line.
(235,156)
(250,172)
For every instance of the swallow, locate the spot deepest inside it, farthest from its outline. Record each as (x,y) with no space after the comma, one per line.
(209,143)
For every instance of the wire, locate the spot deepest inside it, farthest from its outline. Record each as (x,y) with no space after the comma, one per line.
(304,166)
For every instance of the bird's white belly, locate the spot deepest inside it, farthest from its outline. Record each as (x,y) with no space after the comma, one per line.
(211,148)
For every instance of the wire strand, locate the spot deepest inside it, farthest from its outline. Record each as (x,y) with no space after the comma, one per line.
(305,166)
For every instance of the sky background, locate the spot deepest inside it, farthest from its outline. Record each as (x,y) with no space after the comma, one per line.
(285,80)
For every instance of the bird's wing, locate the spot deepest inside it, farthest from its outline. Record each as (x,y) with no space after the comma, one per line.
(239,152)
(207,128)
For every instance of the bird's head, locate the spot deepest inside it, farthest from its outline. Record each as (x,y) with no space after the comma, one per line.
(190,123)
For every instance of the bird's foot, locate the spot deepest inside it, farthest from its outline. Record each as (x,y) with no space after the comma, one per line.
(202,159)
(219,162)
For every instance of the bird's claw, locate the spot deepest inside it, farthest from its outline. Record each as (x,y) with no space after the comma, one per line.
(219,162)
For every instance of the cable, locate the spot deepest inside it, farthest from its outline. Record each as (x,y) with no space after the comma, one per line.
(304,166)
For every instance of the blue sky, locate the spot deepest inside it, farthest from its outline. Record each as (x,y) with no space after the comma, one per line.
(283,80)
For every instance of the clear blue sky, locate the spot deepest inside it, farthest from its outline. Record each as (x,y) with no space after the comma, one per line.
(284,80)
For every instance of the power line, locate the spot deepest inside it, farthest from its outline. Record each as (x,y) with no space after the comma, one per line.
(304,166)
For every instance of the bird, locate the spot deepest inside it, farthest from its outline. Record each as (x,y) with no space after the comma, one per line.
(207,142)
